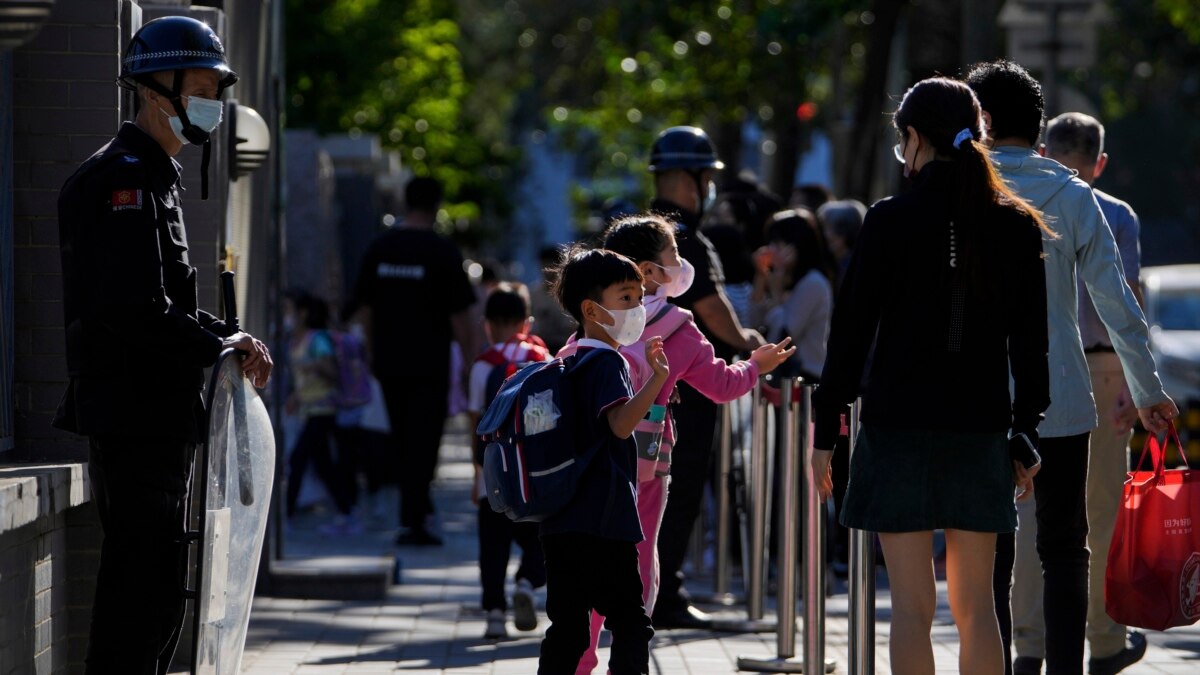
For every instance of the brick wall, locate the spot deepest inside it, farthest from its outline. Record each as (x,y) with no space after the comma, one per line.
(49,550)
(65,107)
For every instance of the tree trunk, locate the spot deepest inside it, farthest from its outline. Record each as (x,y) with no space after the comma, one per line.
(863,144)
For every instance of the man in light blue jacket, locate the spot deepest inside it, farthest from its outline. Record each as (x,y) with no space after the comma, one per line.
(1076,141)
(1013,107)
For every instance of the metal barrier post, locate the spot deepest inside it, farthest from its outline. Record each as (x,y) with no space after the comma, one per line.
(862,586)
(814,552)
(785,522)
(723,497)
(721,575)
(795,448)
(756,576)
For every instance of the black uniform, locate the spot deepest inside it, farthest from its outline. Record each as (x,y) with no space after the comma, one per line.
(413,281)
(695,421)
(136,349)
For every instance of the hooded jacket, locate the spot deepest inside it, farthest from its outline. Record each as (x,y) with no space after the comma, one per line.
(692,360)
(1085,244)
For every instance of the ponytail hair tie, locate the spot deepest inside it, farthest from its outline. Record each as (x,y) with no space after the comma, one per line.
(964,135)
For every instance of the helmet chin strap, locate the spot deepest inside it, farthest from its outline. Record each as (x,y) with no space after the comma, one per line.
(701,192)
(194,134)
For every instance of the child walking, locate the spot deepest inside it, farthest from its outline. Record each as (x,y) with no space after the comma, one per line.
(314,397)
(506,323)
(649,241)
(591,545)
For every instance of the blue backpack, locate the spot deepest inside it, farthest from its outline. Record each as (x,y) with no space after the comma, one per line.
(531,464)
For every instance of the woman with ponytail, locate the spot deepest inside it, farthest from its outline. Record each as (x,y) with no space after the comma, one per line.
(947,281)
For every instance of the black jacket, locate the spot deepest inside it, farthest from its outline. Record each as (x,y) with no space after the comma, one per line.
(136,342)
(948,332)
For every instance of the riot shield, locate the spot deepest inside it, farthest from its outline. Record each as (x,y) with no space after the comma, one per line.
(234,478)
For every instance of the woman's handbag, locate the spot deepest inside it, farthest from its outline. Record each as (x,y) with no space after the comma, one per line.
(1153,575)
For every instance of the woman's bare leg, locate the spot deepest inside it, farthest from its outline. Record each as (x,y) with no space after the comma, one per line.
(970,557)
(909,558)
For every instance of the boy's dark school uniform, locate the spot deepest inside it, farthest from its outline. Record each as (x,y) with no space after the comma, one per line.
(413,281)
(590,546)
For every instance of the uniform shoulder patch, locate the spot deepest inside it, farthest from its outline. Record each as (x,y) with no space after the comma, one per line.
(130,159)
(127,200)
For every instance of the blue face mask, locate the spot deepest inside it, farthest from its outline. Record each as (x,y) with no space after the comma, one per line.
(203,113)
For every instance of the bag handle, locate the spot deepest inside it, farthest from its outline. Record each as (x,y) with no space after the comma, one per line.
(1158,450)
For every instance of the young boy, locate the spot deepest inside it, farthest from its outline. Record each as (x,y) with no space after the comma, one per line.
(591,545)
(506,323)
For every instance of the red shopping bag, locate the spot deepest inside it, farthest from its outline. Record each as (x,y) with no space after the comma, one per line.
(1153,574)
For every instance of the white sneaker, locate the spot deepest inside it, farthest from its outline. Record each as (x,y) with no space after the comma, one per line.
(524,615)
(496,630)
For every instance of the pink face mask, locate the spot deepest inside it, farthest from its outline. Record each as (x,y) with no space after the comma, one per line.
(679,279)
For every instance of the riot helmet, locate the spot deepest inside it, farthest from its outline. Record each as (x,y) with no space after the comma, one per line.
(687,148)
(177,43)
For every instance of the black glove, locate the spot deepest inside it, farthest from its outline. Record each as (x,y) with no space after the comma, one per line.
(1022,447)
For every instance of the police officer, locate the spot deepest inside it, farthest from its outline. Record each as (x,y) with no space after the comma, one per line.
(137,343)
(684,164)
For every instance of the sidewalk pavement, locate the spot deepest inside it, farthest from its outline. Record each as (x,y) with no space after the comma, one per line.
(430,623)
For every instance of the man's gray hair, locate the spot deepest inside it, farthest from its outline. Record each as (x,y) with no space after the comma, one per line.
(1076,134)
(844,218)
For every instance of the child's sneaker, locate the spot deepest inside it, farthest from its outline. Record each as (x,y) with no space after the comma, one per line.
(524,616)
(496,630)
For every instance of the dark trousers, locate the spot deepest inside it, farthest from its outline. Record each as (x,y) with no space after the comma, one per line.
(417,412)
(1060,489)
(691,465)
(496,536)
(138,486)
(314,445)
(583,573)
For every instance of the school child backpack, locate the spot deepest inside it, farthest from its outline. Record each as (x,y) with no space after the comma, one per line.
(505,360)
(353,375)
(531,465)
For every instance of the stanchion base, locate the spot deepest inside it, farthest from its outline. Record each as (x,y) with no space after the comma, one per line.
(778,665)
(720,599)
(743,626)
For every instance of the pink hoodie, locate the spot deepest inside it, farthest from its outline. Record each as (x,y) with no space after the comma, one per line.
(691,358)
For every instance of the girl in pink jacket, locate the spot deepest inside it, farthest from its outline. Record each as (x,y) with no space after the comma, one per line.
(649,241)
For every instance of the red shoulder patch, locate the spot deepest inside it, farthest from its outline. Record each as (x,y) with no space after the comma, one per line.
(126,200)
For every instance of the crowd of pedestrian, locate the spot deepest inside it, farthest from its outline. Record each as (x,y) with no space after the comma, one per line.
(927,305)
(942,308)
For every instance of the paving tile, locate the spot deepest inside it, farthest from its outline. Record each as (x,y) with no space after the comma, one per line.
(430,623)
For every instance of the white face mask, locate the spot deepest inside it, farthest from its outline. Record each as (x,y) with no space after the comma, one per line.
(628,324)
(679,279)
(204,114)
(710,198)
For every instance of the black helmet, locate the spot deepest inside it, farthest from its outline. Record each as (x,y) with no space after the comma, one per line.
(173,43)
(687,148)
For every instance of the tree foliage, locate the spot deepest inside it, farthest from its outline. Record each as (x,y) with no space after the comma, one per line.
(395,69)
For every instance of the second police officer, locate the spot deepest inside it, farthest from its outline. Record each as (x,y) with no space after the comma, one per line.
(684,163)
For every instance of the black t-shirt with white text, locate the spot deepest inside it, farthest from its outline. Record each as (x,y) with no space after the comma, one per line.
(413,281)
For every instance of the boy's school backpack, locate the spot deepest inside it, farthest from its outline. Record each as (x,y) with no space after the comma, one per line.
(353,374)
(531,465)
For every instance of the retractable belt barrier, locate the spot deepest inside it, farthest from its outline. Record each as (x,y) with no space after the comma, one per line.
(796,450)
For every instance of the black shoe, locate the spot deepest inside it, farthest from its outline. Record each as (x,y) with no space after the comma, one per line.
(1131,654)
(1027,665)
(418,536)
(683,617)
